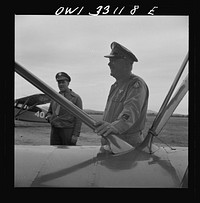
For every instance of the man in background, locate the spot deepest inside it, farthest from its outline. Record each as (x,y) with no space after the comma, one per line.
(65,128)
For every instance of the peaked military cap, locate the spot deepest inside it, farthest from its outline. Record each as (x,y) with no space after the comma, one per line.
(119,51)
(63,76)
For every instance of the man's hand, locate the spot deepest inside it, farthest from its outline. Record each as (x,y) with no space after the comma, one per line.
(104,128)
(48,118)
(74,139)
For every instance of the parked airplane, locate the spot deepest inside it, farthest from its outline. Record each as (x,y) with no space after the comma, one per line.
(27,109)
(119,165)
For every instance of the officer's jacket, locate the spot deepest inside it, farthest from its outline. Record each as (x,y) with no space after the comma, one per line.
(64,119)
(126,106)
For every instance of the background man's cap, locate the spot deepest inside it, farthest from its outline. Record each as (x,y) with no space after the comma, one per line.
(119,51)
(63,76)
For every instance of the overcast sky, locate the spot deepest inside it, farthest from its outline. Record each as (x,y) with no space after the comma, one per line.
(48,44)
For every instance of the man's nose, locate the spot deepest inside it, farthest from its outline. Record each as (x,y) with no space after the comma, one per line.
(109,64)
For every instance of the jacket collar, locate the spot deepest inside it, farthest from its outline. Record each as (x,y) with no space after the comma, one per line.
(70,92)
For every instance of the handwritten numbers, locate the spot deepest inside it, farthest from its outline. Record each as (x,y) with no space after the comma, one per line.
(115,10)
(103,10)
(119,11)
(99,8)
(107,10)
(132,12)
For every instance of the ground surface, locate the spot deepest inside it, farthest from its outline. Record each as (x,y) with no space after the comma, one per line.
(175,132)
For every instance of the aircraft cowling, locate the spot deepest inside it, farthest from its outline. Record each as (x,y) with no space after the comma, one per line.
(87,166)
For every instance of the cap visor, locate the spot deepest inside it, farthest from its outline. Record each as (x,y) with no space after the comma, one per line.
(62,79)
(110,56)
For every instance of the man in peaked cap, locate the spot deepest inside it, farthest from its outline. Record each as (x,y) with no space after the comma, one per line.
(65,128)
(126,108)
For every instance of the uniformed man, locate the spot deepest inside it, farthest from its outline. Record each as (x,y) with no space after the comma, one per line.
(126,108)
(65,128)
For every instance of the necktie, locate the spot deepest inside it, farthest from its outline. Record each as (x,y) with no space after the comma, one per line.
(57,109)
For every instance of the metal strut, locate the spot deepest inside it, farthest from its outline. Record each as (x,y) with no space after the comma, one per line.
(167,107)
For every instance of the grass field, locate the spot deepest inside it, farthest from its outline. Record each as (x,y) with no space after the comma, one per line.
(175,132)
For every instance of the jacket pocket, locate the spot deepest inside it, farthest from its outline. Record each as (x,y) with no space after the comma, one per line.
(120,97)
(69,118)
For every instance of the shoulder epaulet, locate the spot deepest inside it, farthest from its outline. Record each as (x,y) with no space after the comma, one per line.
(136,84)
(136,81)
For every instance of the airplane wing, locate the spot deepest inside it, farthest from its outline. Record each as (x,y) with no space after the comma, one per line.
(86,166)
(35,99)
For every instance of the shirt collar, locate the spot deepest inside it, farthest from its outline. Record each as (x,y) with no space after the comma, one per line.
(70,92)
